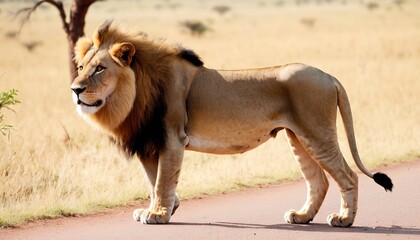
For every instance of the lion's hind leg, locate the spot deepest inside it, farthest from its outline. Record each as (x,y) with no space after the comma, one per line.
(316,182)
(327,154)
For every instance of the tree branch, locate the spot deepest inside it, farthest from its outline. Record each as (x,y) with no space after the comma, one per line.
(74,26)
(29,10)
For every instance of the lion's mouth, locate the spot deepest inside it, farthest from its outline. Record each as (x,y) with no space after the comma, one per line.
(95,104)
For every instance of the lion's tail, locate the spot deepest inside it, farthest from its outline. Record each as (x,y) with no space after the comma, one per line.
(345,111)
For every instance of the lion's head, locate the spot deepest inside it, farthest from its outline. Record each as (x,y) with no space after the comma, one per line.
(106,82)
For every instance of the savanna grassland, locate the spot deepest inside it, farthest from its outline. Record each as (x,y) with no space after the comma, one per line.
(54,164)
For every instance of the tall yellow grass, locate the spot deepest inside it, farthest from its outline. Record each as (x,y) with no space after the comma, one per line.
(55,164)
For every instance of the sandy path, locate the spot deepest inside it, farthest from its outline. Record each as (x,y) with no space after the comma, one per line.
(255,214)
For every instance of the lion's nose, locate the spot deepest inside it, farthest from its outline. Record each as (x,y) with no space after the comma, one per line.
(78,90)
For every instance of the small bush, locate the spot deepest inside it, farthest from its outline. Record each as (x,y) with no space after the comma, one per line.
(308,22)
(372,6)
(196,28)
(7,99)
(222,9)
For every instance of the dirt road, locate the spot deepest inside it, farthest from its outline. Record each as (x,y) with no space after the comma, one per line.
(255,214)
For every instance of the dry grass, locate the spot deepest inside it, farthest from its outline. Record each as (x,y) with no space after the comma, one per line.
(45,173)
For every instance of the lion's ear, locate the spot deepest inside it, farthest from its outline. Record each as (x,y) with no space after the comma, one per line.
(82,47)
(123,53)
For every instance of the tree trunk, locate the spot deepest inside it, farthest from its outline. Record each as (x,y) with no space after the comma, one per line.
(76,28)
(72,64)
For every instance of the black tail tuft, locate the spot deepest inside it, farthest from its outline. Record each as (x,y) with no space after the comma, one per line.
(383,180)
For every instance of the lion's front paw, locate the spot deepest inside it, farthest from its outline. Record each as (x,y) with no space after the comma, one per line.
(336,220)
(295,217)
(146,216)
(176,204)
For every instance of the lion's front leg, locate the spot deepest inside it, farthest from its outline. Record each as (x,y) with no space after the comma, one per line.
(150,167)
(164,200)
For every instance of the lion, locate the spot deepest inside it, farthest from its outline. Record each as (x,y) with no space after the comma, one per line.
(156,100)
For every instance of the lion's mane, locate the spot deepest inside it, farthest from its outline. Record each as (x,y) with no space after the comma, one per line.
(142,131)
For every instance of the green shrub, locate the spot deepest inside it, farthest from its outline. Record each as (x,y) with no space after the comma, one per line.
(7,99)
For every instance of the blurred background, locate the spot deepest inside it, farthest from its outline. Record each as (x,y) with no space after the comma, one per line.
(52,163)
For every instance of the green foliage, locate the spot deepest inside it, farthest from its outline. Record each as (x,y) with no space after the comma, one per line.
(7,99)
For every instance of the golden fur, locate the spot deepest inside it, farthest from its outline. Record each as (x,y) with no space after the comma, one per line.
(157,100)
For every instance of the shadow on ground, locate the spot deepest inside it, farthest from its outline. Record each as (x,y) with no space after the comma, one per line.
(313,227)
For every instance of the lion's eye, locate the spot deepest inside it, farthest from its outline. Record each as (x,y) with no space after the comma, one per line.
(80,68)
(99,69)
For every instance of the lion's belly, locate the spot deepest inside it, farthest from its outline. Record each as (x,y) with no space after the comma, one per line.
(224,141)
(229,134)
